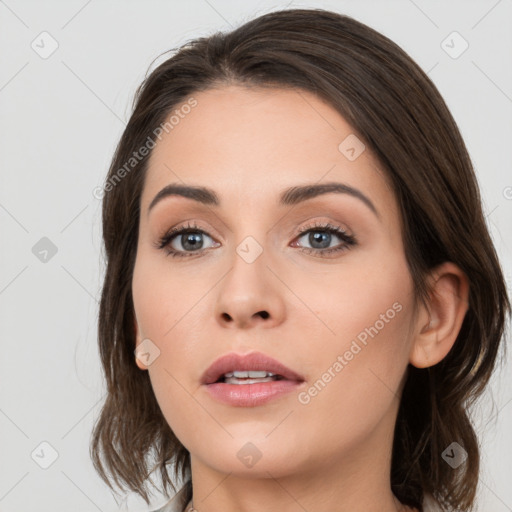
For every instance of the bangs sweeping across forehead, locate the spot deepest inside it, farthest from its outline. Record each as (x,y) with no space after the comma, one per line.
(401,118)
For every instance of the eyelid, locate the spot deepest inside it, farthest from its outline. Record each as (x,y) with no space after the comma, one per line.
(191,224)
(298,228)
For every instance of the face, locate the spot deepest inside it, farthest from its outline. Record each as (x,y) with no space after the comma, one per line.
(337,304)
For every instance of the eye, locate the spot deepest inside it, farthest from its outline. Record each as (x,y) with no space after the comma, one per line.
(321,242)
(190,238)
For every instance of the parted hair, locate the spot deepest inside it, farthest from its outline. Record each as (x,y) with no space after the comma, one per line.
(396,110)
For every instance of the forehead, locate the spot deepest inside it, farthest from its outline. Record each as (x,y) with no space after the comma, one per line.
(251,143)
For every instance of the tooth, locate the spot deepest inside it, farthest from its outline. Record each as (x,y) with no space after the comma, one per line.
(253,374)
(234,380)
(257,375)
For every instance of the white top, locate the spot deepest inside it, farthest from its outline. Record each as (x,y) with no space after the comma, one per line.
(174,504)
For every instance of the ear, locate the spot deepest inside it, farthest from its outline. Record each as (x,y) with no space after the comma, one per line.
(138,340)
(438,325)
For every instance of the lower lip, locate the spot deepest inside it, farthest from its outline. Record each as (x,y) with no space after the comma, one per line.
(251,395)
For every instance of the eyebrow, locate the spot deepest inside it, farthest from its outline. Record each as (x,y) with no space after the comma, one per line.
(288,197)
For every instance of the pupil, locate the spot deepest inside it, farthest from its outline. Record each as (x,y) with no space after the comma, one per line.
(316,237)
(193,239)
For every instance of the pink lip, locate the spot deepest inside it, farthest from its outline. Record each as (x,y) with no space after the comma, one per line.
(249,395)
(253,361)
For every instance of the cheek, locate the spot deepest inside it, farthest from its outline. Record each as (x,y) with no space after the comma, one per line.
(363,360)
(368,362)
(158,298)
(363,296)
(357,380)
(165,317)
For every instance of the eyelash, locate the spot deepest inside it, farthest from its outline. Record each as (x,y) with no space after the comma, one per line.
(350,240)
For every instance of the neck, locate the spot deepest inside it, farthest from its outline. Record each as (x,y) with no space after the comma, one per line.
(354,479)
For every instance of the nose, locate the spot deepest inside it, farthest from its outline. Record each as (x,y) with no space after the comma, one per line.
(239,318)
(250,295)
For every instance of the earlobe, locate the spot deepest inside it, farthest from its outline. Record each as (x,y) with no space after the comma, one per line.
(139,363)
(438,328)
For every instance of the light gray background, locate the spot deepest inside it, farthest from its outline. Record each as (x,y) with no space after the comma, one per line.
(61,118)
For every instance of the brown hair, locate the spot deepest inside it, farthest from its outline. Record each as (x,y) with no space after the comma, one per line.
(397,111)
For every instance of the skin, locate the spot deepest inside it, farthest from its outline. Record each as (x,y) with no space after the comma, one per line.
(333,453)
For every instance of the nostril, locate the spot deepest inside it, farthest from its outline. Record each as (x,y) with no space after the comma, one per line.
(263,314)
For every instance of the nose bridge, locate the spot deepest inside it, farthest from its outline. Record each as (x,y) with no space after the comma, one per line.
(250,231)
(247,293)
(248,263)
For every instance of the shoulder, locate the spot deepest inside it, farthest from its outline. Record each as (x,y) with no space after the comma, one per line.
(175,504)
(430,504)
(170,506)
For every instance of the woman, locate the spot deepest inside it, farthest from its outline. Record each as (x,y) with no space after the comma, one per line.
(301,299)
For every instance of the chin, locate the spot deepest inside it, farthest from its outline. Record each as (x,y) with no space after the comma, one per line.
(254,457)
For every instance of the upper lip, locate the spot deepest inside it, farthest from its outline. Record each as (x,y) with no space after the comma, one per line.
(253,361)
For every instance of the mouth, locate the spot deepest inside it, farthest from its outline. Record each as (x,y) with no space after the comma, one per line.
(248,377)
(249,380)
(253,368)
